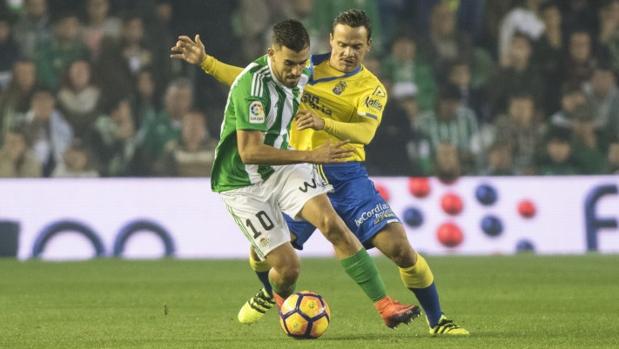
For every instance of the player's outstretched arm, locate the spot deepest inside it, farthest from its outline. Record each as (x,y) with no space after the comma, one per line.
(361,130)
(194,52)
(253,151)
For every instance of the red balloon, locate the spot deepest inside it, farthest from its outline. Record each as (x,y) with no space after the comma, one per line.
(451,204)
(449,234)
(382,190)
(419,186)
(526,208)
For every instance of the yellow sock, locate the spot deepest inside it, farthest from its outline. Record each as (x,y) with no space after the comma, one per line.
(418,275)
(258,265)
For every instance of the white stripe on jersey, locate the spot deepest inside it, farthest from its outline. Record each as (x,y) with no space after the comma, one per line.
(274,98)
(256,82)
(286,117)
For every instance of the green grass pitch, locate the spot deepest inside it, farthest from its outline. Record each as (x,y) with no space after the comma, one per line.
(506,302)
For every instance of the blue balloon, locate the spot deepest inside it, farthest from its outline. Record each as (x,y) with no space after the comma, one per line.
(413,217)
(486,194)
(525,246)
(492,226)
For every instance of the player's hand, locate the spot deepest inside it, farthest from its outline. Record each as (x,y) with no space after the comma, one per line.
(191,51)
(330,152)
(306,119)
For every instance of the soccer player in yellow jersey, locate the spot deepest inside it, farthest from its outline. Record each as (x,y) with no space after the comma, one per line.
(342,101)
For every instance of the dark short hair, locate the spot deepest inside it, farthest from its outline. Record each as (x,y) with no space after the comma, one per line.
(291,34)
(353,18)
(449,91)
(560,134)
(570,88)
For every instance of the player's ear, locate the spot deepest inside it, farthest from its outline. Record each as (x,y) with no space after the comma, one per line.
(271,51)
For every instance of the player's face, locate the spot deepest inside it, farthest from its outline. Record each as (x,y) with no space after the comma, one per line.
(288,64)
(348,47)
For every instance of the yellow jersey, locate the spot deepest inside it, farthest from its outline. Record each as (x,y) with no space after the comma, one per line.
(351,104)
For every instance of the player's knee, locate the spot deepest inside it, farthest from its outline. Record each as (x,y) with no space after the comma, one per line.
(331,228)
(402,254)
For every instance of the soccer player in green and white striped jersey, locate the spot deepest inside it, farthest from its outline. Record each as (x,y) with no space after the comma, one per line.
(259,177)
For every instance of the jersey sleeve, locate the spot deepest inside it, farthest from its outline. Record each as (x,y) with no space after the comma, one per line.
(372,104)
(249,106)
(222,72)
(362,127)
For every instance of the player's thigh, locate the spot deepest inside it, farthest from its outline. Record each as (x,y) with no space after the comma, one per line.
(363,210)
(261,222)
(300,231)
(298,184)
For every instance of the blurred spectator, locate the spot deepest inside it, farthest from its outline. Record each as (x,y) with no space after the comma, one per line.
(77,162)
(602,93)
(32,28)
(521,129)
(120,61)
(115,140)
(165,127)
(557,158)
(579,14)
(15,100)
(325,10)
(459,74)
(447,163)
(399,129)
(548,54)
(9,50)
(50,133)
(517,74)
(589,142)
(454,124)
(608,36)
(444,44)
(54,56)
(252,21)
(193,154)
(613,159)
(500,161)
(99,24)
(78,98)
(572,97)
(161,35)
(406,73)
(145,104)
(303,11)
(16,158)
(578,66)
(494,13)
(418,148)
(443,41)
(522,19)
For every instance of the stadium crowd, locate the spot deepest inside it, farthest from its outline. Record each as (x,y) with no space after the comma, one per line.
(477,87)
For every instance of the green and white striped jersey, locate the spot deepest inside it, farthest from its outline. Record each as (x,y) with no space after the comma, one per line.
(257,101)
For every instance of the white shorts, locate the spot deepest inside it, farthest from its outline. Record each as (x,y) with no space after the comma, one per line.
(257,209)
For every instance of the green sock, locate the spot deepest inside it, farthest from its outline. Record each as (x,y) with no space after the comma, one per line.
(361,268)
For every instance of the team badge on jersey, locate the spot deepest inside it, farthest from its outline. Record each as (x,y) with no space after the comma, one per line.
(256,113)
(379,92)
(339,88)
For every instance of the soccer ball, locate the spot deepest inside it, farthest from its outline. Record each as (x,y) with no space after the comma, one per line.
(305,315)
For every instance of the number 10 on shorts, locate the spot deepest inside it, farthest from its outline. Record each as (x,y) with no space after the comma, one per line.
(265,221)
